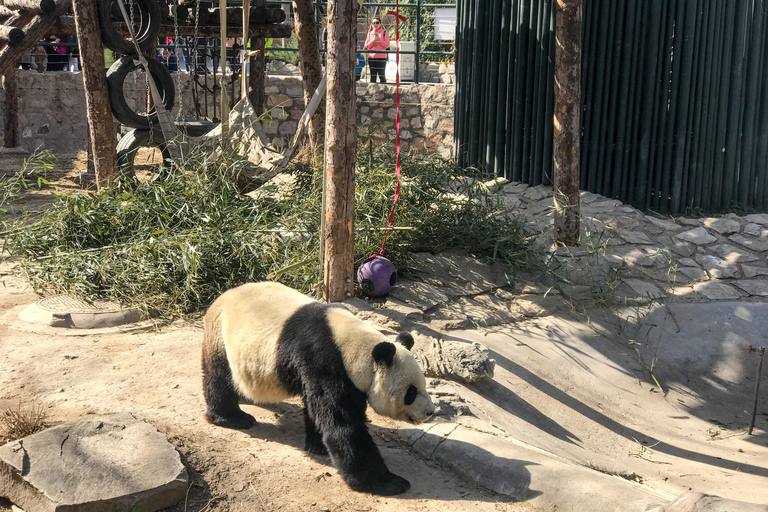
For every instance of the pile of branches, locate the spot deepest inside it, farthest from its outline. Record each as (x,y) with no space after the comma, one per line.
(173,245)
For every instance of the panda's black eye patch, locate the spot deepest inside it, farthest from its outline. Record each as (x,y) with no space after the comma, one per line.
(410,395)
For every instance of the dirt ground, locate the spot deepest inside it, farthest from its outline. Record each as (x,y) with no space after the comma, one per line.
(155,374)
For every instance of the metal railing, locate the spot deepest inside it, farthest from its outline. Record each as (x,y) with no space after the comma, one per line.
(418,52)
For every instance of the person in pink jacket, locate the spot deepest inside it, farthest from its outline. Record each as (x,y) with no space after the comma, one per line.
(377,39)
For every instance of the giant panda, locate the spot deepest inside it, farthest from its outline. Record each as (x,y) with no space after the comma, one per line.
(267,342)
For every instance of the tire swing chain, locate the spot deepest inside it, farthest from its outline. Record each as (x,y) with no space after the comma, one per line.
(163,116)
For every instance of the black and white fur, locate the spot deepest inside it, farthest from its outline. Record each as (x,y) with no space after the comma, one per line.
(267,342)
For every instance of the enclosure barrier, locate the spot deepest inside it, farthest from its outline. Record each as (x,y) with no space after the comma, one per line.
(674,98)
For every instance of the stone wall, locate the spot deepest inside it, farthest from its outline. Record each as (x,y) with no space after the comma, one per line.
(52,110)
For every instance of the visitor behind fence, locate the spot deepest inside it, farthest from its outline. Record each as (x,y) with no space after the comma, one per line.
(377,39)
(359,63)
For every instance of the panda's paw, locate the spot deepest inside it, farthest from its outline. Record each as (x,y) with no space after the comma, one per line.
(315,446)
(389,485)
(240,421)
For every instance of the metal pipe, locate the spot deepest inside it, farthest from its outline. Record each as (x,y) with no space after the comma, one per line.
(761,352)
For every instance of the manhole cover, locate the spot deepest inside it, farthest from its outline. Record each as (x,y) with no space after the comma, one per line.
(69,304)
(76,313)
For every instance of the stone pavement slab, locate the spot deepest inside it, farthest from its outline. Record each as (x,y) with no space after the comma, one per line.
(95,464)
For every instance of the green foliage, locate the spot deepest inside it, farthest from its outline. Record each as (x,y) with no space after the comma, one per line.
(290,57)
(33,174)
(175,245)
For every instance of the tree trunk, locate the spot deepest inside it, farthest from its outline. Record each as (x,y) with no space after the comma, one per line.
(257,78)
(341,142)
(11,121)
(566,133)
(309,53)
(96,97)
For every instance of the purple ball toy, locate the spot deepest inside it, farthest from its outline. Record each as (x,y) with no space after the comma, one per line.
(376,276)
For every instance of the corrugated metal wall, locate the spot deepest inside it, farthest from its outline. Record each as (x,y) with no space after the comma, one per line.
(674,98)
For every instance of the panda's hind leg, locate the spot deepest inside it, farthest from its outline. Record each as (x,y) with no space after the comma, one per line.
(221,397)
(314,442)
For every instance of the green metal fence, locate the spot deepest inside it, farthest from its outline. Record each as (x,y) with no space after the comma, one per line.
(674,98)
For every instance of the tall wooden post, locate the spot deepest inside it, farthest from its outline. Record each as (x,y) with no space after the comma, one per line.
(309,54)
(566,135)
(96,97)
(257,78)
(341,142)
(11,120)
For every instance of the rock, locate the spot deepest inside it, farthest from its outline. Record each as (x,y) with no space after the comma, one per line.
(391,320)
(537,193)
(756,287)
(698,236)
(760,218)
(717,268)
(644,289)
(753,229)
(356,305)
(750,271)
(668,225)
(634,237)
(758,244)
(462,362)
(724,225)
(422,295)
(694,274)
(732,254)
(95,464)
(698,502)
(410,312)
(717,291)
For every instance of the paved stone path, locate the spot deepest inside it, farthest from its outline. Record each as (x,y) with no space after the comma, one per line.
(626,257)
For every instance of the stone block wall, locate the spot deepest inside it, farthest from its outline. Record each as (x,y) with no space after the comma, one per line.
(52,110)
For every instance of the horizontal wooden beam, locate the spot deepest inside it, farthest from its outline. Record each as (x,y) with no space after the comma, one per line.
(66,27)
(35,6)
(11,35)
(35,27)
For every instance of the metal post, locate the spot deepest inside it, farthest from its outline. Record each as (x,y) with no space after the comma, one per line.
(418,41)
(761,352)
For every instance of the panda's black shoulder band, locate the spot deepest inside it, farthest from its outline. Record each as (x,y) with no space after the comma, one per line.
(384,353)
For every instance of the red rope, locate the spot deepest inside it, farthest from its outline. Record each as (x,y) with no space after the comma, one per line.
(397,16)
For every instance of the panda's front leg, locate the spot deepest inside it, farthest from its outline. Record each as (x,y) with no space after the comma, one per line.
(314,441)
(341,423)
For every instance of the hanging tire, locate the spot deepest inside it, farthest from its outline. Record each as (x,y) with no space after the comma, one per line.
(146,13)
(132,142)
(116,90)
(135,139)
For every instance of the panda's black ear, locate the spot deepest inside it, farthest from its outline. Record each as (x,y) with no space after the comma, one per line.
(405,339)
(384,353)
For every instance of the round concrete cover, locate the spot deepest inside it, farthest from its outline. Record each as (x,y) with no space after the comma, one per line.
(73,312)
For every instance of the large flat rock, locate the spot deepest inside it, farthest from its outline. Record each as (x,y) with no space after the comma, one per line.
(95,464)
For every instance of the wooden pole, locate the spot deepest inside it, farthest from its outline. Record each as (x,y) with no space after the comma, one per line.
(258,79)
(309,55)
(96,97)
(566,122)
(341,143)
(11,120)
(224,98)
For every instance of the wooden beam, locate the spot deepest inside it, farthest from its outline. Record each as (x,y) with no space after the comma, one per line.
(341,143)
(35,27)
(66,27)
(11,119)
(100,123)
(11,35)
(34,6)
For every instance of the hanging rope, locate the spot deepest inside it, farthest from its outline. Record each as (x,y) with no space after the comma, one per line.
(391,219)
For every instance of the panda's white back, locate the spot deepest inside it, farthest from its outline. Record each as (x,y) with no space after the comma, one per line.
(252,318)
